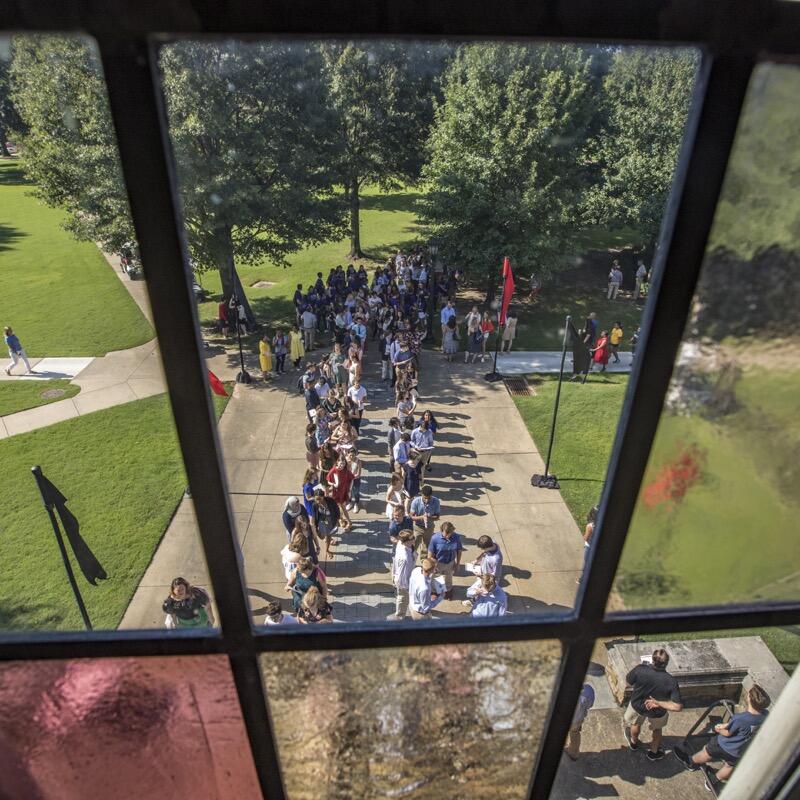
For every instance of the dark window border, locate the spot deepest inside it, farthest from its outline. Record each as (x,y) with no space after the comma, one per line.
(734,35)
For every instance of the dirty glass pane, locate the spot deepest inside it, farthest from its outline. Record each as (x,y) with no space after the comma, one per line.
(82,391)
(714,670)
(715,521)
(436,722)
(323,189)
(123,727)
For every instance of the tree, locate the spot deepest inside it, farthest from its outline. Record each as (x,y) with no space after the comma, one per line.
(645,102)
(381,95)
(9,118)
(246,122)
(249,127)
(70,149)
(505,156)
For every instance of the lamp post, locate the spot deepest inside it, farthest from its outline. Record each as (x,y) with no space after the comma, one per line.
(243,376)
(433,250)
(494,375)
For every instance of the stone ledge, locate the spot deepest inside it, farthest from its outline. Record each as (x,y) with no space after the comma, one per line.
(706,669)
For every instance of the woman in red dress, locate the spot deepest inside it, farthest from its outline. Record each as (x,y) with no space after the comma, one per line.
(601,351)
(339,480)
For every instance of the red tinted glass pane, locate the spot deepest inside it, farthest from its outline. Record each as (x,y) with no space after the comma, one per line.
(123,728)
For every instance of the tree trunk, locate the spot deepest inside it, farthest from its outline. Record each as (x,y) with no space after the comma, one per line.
(355,223)
(229,277)
(3,149)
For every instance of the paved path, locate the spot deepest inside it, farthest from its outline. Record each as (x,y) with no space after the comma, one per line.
(526,361)
(482,467)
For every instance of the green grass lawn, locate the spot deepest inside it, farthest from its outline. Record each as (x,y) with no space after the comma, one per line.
(388,222)
(731,538)
(21,395)
(123,476)
(587,421)
(59,295)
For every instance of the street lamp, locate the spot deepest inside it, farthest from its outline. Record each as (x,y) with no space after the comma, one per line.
(243,376)
(433,250)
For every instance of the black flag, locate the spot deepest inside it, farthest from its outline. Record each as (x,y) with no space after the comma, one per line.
(91,568)
(581,359)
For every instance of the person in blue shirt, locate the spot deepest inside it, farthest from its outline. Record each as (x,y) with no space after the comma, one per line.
(445,549)
(488,599)
(15,351)
(732,737)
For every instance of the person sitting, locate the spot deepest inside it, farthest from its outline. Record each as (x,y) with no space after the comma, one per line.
(487,599)
(732,737)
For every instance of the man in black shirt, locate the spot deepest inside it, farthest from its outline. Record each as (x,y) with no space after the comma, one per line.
(655,694)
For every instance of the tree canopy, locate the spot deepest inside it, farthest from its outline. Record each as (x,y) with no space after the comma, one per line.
(380,95)
(504,169)
(643,107)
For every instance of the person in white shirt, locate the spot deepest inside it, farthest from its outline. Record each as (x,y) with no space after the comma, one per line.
(309,321)
(358,394)
(641,277)
(614,280)
(275,615)
(421,597)
(402,566)
(322,388)
(509,332)
(487,600)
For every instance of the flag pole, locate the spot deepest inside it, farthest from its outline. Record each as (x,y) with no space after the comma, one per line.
(37,474)
(548,481)
(494,375)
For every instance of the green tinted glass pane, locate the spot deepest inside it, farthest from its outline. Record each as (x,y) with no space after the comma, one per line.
(435,722)
(716,515)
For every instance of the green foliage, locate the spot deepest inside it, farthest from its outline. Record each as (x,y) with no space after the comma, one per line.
(23,394)
(69,143)
(380,96)
(249,128)
(760,205)
(503,171)
(60,295)
(9,118)
(643,106)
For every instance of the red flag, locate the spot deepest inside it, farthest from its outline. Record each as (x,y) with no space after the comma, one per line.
(508,289)
(217,386)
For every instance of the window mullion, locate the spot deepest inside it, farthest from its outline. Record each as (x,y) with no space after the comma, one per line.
(139,117)
(719,94)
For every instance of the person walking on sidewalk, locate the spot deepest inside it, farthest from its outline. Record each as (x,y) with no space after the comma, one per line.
(474,335)
(446,549)
(15,351)
(509,332)
(615,339)
(487,329)
(655,694)
(402,566)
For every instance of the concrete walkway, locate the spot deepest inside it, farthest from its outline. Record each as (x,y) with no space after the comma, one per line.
(482,466)
(523,362)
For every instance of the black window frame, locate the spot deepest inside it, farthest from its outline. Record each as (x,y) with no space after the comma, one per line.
(732,35)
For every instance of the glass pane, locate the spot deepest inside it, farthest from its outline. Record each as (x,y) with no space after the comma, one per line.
(123,727)
(715,518)
(93,412)
(434,722)
(715,672)
(321,181)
